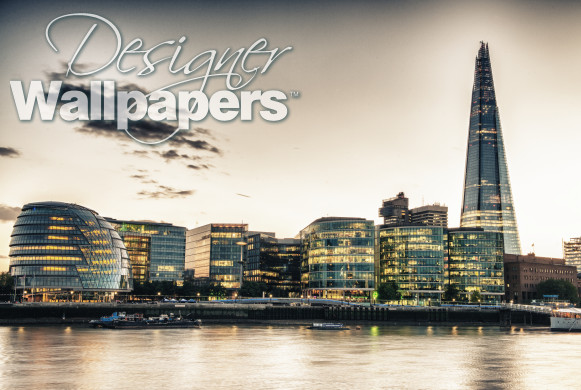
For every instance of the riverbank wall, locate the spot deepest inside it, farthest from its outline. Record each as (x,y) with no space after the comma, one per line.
(69,313)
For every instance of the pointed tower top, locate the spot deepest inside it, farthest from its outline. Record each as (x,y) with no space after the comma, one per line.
(483,52)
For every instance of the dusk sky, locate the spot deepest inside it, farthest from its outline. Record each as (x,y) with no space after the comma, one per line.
(383,106)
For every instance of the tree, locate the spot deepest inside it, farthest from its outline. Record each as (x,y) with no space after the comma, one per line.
(452,293)
(253,289)
(388,292)
(6,286)
(475,297)
(564,289)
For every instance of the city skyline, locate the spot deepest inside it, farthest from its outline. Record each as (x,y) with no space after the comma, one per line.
(382,108)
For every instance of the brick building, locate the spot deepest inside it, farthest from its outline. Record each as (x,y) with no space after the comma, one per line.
(522,274)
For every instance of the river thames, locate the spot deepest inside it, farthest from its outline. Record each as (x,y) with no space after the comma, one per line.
(288,357)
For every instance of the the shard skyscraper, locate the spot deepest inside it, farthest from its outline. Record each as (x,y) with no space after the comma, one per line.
(487,195)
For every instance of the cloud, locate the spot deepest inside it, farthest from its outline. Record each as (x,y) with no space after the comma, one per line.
(8,213)
(191,144)
(200,166)
(9,152)
(165,192)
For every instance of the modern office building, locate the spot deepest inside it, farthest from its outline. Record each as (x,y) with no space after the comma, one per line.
(430,215)
(62,251)
(475,263)
(487,201)
(215,252)
(413,257)
(156,249)
(338,258)
(572,252)
(524,273)
(395,211)
(274,261)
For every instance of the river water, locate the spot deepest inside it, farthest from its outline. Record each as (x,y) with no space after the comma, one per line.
(288,357)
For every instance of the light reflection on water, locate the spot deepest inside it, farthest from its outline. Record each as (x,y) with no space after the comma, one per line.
(266,357)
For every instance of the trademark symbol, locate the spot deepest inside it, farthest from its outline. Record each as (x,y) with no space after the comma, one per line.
(295,94)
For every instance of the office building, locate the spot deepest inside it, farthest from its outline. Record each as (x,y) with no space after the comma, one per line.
(62,251)
(273,261)
(395,211)
(475,263)
(524,273)
(338,258)
(572,252)
(430,215)
(156,249)
(215,252)
(487,201)
(413,258)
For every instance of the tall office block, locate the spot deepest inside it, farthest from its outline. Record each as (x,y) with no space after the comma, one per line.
(214,252)
(572,252)
(487,201)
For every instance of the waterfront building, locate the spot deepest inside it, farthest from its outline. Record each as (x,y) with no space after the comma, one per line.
(214,251)
(62,251)
(475,263)
(337,258)
(524,273)
(413,257)
(487,201)
(156,249)
(572,252)
(273,261)
(430,215)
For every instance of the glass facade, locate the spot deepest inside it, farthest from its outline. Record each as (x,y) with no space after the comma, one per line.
(273,261)
(212,252)
(413,257)
(572,252)
(487,201)
(476,263)
(58,247)
(338,258)
(157,250)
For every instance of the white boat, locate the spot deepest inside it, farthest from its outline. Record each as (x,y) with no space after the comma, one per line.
(566,320)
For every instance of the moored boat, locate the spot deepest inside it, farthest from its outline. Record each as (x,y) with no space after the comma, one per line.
(328,326)
(566,320)
(137,321)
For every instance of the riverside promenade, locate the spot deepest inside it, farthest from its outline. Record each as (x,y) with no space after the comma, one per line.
(279,311)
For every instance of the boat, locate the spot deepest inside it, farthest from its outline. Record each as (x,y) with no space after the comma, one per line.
(328,326)
(566,320)
(106,319)
(137,321)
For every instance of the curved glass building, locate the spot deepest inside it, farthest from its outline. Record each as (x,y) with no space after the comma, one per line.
(338,258)
(61,251)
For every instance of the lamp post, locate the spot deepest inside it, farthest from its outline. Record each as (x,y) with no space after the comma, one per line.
(241,244)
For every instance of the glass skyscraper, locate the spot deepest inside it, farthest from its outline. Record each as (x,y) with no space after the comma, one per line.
(62,251)
(487,194)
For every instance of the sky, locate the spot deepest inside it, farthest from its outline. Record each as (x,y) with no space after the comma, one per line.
(378,98)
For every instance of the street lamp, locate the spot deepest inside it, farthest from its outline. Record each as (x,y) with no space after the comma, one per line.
(241,244)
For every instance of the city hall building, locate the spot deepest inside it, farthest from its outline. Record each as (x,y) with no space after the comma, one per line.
(62,251)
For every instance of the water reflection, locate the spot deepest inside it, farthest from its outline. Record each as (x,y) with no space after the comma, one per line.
(286,357)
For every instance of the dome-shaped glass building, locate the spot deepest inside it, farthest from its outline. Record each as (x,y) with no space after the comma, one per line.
(65,251)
